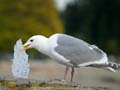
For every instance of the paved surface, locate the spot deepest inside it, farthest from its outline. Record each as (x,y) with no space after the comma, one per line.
(84,76)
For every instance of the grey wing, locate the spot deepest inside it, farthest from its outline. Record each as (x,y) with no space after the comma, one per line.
(76,50)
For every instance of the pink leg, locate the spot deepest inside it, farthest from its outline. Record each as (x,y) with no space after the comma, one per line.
(72,74)
(66,71)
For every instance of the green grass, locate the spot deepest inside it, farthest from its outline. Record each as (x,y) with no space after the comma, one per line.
(12,85)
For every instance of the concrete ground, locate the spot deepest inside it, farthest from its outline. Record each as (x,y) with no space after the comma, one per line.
(49,70)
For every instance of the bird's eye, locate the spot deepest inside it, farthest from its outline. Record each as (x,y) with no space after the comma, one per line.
(31,40)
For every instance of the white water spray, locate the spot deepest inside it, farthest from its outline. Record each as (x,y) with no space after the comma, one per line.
(20,66)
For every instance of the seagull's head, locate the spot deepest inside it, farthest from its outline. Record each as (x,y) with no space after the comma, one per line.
(36,41)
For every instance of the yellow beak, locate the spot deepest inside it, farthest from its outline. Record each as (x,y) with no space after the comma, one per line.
(26,46)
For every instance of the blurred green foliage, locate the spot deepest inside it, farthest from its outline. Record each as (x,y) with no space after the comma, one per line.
(24,18)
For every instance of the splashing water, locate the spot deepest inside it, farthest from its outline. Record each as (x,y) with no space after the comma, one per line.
(20,66)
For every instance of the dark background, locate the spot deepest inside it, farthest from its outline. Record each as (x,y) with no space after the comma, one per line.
(96,21)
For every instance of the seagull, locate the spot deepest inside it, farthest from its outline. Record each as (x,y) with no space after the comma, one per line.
(71,52)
